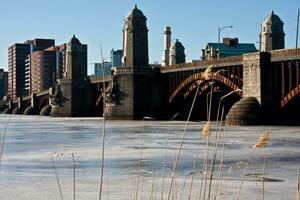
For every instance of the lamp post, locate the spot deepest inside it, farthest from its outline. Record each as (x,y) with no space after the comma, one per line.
(219,34)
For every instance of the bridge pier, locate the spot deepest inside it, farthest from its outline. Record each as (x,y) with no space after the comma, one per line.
(19,110)
(32,109)
(10,107)
(45,111)
(259,82)
(134,94)
(74,99)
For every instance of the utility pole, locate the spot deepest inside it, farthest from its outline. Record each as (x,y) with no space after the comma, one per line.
(297,28)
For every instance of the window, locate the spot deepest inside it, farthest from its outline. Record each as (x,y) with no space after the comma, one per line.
(138,23)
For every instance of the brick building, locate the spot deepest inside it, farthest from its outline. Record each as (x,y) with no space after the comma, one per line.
(3,83)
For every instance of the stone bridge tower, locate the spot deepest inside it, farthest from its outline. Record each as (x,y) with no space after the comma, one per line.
(132,94)
(135,39)
(272,34)
(72,96)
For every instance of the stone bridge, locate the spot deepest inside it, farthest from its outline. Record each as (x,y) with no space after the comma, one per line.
(262,85)
(36,103)
(272,78)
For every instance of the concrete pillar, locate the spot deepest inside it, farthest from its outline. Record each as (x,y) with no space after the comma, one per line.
(34,101)
(20,103)
(10,104)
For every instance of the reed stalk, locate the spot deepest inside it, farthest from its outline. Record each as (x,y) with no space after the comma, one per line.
(215,150)
(262,179)
(103,133)
(205,164)
(181,143)
(107,190)
(74,180)
(164,168)
(298,184)
(3,139)
(183,187)
(193,172)
(57,179)
(139,165)
(152,188)
(220,170)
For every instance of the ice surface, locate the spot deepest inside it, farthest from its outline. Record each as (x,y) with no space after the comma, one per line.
(26,170)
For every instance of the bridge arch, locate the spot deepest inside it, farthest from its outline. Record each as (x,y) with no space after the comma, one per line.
(290,96)
(200,79)
(44,101)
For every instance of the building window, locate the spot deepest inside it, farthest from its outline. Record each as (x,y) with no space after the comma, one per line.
(138,23)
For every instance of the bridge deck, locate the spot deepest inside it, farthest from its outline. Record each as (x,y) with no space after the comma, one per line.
(222,62)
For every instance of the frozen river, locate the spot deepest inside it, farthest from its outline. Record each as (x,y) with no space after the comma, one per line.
(26,171)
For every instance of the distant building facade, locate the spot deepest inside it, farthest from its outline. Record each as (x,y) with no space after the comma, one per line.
(3,83)
(42,66)
(116,58)
(98,69)
(18,72)
(272,33)
(229,47)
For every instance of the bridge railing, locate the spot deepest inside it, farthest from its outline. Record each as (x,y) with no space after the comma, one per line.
(100,79)
(220,61)
(283,54)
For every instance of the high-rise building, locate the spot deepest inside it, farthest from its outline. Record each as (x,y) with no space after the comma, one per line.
(18,71)
(3,83)
(61,53)
(17,54)
(34,65)
(42,67)
(272,33)
(98,69)
(135,39)
(116,58)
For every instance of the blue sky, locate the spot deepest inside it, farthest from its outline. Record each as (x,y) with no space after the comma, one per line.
(95,22)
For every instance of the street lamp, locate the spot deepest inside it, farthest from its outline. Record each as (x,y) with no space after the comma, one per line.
(219,33)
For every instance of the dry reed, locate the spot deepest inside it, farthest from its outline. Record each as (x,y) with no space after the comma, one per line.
(298,184)
(262,140)
(181,143)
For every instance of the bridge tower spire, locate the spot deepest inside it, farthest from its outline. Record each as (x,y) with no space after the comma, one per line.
(272,33)
(135,39)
